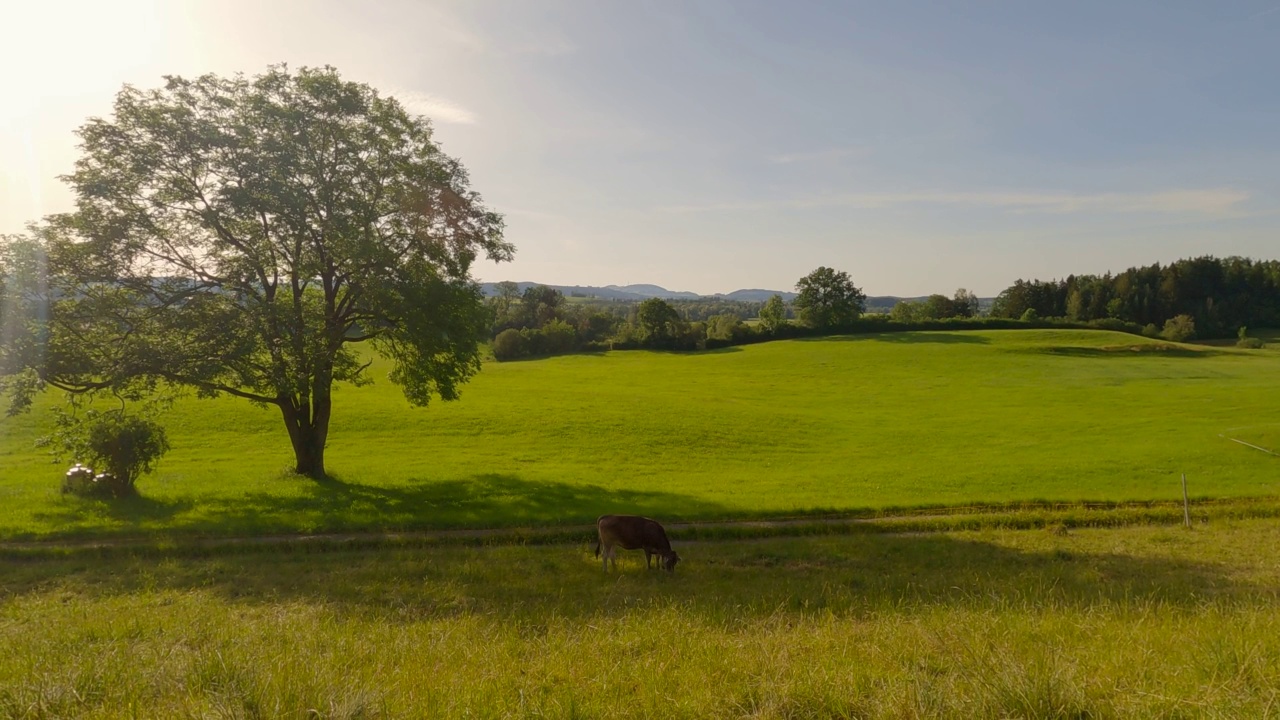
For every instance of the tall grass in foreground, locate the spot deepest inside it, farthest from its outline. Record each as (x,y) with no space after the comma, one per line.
(1130,622)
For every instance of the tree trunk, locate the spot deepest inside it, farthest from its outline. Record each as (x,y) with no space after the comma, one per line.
(309,456)
(308,426)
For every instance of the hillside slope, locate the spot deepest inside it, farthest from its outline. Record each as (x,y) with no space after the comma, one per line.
(774,429)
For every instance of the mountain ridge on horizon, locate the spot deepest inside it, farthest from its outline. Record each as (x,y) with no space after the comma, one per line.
(644,291)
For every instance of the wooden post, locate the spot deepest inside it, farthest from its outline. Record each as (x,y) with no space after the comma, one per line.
(1186,505)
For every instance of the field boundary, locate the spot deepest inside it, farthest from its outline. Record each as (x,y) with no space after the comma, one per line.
(1054,516)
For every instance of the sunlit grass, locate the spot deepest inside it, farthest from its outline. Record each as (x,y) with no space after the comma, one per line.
(781,428)
(1135,622)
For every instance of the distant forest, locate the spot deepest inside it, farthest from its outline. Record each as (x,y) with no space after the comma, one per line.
(1222,295)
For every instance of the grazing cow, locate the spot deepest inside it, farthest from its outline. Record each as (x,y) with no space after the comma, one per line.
(631,532)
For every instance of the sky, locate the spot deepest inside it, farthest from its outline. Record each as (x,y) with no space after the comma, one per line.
(709,145)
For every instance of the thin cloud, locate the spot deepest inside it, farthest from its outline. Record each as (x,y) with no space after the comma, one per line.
(1264,13)
(544,47)
(434,107)
(818,156)
(1204,202)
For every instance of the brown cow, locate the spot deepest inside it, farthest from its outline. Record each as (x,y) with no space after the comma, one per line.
(631,532)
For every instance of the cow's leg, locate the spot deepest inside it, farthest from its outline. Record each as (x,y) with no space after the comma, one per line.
(605,556)
(647,556)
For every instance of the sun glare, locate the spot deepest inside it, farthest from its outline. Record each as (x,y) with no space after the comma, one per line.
(63,61)
(64,49)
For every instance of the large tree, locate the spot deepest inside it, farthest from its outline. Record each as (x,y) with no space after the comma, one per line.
(828,299)
(240,235)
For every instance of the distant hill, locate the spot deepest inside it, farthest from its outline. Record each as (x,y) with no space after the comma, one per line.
(643,292)
(755,295)
(636,293)
(657,291)
(603,293)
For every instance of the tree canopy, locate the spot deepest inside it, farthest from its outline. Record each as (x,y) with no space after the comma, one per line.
(828,299)
(241,235)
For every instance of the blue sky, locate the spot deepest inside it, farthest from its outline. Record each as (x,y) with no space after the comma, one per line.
(710,146)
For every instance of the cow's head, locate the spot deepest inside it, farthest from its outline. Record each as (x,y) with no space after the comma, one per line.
(669,562)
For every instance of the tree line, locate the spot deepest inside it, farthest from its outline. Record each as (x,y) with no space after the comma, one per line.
(540,321)
(1220,296)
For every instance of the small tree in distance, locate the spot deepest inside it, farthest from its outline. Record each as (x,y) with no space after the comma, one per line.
(774,314)
(1179,328)
(828,299)
(906,311)
(659,323)
(965,304)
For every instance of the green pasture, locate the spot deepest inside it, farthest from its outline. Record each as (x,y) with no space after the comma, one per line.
(1136,622)
(776,429)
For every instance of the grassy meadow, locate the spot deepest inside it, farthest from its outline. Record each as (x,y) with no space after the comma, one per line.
(1136,622)
(777,429)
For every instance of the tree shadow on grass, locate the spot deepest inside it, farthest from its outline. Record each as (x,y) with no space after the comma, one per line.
(723,581)
(336,505)
(488,500)
(911,337)
(726,350)
(72,513)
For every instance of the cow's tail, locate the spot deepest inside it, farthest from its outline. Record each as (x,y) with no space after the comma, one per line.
(597,548)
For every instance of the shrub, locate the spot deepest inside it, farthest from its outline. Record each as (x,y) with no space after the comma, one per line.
(559,337)
(124,447)
(1251,343)
(627,338)
(127,446)
(535,343)
(1119,326)
(509,345)
(1030,315)
(1150,330)
(1180,328)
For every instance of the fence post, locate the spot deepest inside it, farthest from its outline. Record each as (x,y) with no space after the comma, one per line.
(1186,505)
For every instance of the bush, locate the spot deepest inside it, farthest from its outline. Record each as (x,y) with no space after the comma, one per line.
(1251,343)
(1180,328)
(124,447)
(1150,330)
(1119,326)
(725,328)
(559,337)
(509,345)
(127,447)
(1030,315)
